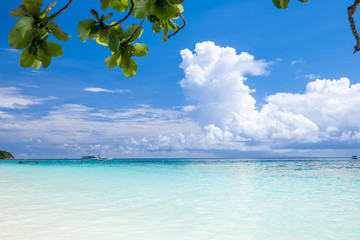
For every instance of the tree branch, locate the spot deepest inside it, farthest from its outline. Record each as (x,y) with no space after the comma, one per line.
(122,20)
(55,15)
(184,21)
(132,35)
(351,10)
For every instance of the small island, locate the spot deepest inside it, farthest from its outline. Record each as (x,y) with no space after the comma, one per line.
(6,155)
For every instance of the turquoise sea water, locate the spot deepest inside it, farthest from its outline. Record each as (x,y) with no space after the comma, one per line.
(175,199)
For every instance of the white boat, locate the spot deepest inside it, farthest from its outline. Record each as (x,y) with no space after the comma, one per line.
(103,158)
(93,158)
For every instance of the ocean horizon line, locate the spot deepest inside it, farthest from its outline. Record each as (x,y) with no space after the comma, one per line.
(195,158)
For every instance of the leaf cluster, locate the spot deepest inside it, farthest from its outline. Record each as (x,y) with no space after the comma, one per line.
(121,43)
(36,25)
(31,32)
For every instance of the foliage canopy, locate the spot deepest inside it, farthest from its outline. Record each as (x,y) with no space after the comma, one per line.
(32,31)
(5,155)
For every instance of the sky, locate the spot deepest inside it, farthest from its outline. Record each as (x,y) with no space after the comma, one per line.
(242,79)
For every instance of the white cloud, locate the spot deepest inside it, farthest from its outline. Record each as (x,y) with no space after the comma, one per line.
(215,80)
(189,108)
(11,50)
(78,124)
(298,61)
(5,115)
(312,76)
(330,104)
(11,97)
(35,72)
(96,90)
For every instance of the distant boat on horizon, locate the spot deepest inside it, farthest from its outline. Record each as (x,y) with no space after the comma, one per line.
(354,157)
(28,162)
(93,158)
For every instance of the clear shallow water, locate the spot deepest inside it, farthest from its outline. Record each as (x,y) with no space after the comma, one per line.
(180,199)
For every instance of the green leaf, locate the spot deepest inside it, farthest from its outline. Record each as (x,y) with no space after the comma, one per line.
(163,10)
(104,36)
(128,65)
(171,25)
(84,28)
(130,31)
(19,41)
(281,3)
(25,25)
(139,49)
(95,14)
(43,57)
(22,7)
(120,31)
(33,3)
(36,64)
(17,13)
(156,24)
(94,32)
(101,43)
(114,41)
(142,8)
(47,10)
(165,33)
(104,4)
(179,8)
(27,58)
(107,17)
(119,5)
(33,7)
(58,33)
(27,3)
(111,61)
(53,49)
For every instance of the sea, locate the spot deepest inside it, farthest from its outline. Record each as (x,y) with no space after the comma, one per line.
(181,199)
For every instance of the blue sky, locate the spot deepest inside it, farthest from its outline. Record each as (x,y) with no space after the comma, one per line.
(207,101)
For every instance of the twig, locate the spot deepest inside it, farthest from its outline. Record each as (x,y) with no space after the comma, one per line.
(122,20)
(351,10)
(132,35)
(184,21)
(55,15)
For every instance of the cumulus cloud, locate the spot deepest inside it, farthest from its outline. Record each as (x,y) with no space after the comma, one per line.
(215,80)
(96,90)
(11,97)
(332,105)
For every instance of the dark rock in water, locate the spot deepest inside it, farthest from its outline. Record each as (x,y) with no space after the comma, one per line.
(6,155)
